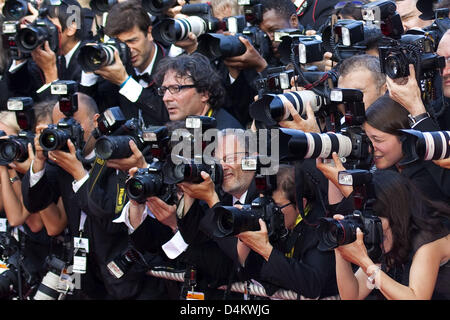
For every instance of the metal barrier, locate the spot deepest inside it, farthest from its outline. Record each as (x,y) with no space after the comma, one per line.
(240,287)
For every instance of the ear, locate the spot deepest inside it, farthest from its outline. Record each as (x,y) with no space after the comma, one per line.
(149,33)
(205,96)
(294,21)
(96,116)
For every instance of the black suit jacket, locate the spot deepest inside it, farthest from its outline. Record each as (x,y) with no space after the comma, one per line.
(29,78)
(107,240)
(107,95)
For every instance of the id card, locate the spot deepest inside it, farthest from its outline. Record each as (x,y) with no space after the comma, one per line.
(3,225)
(79,264)
(81,243)
(195,295)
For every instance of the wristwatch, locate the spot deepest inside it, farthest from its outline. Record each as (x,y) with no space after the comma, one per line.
(415,119)
(14,179)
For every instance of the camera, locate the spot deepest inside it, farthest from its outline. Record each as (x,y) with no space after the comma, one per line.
(230,221)
(95,56)
(383,14)
(218,46)
(351,145)
(334,233)
(116,145)
(15,148)
(149,182)
(272,108)
(306,49)
(410,49)
(23,108)
(66,91)
(417,145)
(158,7)
(101,6)
(49,287)
(124,262)
(21,275)
(355,112)
(189,171)
(35,34)
(278,79)
(55,137)
(17,9)
(9,31)
(253,10)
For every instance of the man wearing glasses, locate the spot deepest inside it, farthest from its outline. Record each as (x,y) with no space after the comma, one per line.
(189,86)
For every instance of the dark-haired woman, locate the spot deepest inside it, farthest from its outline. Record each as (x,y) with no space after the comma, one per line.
(384,118)
(416,246)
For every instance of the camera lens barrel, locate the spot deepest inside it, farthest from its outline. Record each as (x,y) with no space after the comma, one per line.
(93,57)
(15,9)
(434,145)
(113,147)
(48,288)
(216,46)
(13,150)
(169,31)
(53,139)
(230,221)
(142,186)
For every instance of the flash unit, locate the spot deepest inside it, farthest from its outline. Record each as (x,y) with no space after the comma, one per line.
(19,103)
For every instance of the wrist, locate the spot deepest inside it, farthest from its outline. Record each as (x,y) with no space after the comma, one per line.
(123,81)
(38,165)
(213,200)
(367,265)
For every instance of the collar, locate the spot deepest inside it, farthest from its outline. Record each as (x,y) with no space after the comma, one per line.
(69,54)
(241,199)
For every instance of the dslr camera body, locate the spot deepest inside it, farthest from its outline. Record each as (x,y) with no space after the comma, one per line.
(95,56)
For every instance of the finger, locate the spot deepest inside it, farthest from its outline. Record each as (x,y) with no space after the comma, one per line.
(205,176)
(134,148)
(337,161)
(246,43)
(30,151)
(47,46)
(294,113)
(132,171)
(71,146)
(338,217)
(309,111)
(262,225)
(359,235)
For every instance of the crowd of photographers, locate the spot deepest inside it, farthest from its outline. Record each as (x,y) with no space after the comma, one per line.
(289,146)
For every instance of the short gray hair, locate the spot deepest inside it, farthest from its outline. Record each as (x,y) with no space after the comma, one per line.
(363,61)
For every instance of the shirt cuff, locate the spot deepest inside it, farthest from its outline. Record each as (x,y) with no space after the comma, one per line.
(125,217)
(44,87)
(76,185)
(35,177)
(175,246)
(231,79)
(14,66)
(88,79)
(131,90)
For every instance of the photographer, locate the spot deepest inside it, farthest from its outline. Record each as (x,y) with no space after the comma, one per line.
(130,87)
(65,176)
(415,248)
(410,15)
(33,77)
(190,86)
(296,263)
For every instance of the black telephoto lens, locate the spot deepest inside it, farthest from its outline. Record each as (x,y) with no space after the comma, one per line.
(113,147)
(231,221)
(30,38)
(15,9)
(139,188)
(334,233)
(53,139)
(218,46)
(13,150)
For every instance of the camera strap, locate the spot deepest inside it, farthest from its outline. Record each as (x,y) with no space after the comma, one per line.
(81,248)
(302,6)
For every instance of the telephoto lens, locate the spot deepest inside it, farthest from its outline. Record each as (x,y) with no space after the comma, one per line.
(169,31)
(101,6)
(272,108)
(114,147)
(15,9)
(158,7)
(34,35)
(219,46)
(417,145)
(191,172)
(231,221)
(93,57)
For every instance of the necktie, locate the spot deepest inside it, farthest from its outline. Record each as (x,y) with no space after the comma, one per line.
(62,70)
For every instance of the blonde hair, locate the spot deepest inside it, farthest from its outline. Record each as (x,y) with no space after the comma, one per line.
(218,5)
(8,118)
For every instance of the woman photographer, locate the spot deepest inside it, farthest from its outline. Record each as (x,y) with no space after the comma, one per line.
(416,246)
(384,118)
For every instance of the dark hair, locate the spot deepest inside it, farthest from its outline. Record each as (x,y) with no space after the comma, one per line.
(412,218)
(387,115)
(284,8)
(63,14)
(198,68)
(286,182)
(124,16)
(352,9)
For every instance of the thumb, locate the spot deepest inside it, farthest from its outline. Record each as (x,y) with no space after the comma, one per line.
(262,225)
(245,41)
(309,111)
(359,235)
(30,151)
(71,146)
(205,176)
(337,161)
(134,148)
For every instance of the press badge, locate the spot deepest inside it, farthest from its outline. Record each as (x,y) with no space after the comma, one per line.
(79,261)
(3,225)
(81,243)
(195,295)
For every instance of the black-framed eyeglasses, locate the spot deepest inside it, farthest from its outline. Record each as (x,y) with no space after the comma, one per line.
(285,205)
(174,89)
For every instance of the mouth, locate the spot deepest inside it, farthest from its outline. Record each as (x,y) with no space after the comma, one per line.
(227,175)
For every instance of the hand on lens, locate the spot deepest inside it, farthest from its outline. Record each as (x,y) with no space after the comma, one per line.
(307,125)
(135,160)
(332,173)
